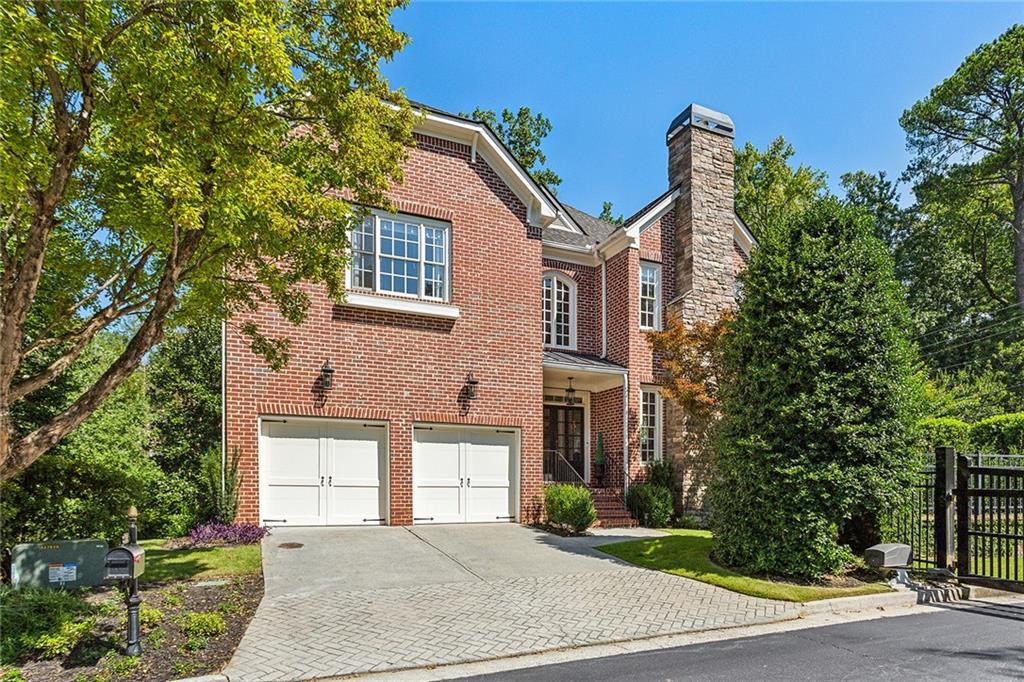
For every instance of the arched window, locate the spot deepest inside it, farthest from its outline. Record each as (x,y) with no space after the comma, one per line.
(558,294)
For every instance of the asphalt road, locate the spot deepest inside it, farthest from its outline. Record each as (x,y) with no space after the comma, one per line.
(982,642)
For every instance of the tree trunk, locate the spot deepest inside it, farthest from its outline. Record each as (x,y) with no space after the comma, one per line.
(1018,227)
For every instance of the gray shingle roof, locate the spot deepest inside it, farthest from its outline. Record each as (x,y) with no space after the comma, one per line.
(580,360)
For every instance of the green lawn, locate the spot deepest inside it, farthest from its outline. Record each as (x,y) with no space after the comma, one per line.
(687,553)
(163,565)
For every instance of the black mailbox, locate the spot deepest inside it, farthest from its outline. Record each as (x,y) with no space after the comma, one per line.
(125,562)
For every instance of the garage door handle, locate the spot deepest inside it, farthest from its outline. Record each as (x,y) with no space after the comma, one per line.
(467,482)
(329,479)
(321,480)
(460,482)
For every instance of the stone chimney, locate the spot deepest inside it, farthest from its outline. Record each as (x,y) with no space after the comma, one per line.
(700,163)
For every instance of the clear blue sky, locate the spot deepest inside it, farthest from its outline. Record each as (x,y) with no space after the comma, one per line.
(832,78)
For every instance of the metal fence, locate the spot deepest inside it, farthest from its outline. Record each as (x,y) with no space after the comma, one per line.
(914,523)
(990,518)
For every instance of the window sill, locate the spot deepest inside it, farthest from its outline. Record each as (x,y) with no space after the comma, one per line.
(412,306)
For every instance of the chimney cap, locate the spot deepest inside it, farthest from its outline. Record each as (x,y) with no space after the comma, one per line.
(702,117)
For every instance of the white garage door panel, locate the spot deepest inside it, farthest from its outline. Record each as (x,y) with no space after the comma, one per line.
(437,486)
(462,475)
(355,463)
(488,472)
(322,472)
(292,469)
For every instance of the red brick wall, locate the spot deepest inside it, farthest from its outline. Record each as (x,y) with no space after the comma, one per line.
(404,368)
(588,303)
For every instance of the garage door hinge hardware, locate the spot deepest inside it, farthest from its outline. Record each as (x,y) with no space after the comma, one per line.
(275,520)
(504,431)
(373,426)
(275,421)
(378,520)
(504,517)
(423,518)
(423,428)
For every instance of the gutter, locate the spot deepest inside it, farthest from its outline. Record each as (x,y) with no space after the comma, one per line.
(604,305)
(223,404)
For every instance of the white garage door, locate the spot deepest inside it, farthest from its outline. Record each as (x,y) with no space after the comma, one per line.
(315,473)
(463,475)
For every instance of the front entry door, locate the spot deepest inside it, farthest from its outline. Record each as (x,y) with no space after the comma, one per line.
(563,433)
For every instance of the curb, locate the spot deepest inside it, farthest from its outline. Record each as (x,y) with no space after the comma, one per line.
(882,601)
(216,677)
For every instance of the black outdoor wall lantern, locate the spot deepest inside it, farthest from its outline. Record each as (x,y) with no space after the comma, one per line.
(327,375)
(471,383)
(570,394)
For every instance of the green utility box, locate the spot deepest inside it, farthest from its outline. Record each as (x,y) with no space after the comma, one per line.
(58,563)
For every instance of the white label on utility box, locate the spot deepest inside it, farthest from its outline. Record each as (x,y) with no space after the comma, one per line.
(63,573)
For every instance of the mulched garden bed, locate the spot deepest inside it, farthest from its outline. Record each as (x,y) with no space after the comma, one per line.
(168,653)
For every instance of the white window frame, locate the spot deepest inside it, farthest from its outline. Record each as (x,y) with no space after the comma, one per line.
(548,329)
(421,223)
(656,268)
(659,419)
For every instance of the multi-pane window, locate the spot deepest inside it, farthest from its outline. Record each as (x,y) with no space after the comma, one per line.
(650,426)
(400,255)
(559,302)
(650,296)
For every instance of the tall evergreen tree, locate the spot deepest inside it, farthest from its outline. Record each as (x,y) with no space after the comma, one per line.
(818,398)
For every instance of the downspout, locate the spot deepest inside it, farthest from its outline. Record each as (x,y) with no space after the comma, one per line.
(604,306)
(625,433)
(223,404)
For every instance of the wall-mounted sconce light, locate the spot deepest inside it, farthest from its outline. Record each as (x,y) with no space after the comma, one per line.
(471,385)
(327,375)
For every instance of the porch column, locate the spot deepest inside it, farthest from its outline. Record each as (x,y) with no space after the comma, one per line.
(625,433)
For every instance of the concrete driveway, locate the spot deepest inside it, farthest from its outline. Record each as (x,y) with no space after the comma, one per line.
(353,600)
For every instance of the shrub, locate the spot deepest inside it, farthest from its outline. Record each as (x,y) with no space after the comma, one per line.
(818,399)
(569,506)
(661,472)
(49,622)
(226,534)
(221,502)
(202,624)
(938,431)
(650,503)
(1003,433)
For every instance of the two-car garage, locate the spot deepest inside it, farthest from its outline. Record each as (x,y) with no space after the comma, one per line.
(336,472)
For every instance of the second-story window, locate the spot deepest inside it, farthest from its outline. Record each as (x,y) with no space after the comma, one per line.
(404,255)
(650,296)
(558,294)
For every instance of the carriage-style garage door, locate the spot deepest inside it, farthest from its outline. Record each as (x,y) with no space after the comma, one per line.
(464,474)
(322,472)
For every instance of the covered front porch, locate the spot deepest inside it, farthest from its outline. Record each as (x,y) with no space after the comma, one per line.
(584,413)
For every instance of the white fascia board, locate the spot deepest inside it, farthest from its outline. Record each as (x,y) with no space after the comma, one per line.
(540,210)
(653,214)
(743,236)
(411,306)
(619,240)
(581,255)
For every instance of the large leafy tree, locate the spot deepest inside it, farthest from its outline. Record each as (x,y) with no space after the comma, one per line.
(769,188)
(523,132)
(177,158)
(969,133)
(818,395)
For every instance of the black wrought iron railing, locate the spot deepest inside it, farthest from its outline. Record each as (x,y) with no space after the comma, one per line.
(557,469)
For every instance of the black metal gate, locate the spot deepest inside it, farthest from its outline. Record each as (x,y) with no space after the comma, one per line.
(967,514)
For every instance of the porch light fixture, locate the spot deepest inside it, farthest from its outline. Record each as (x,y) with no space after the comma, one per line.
(471,383)
(570,394)
(327,375)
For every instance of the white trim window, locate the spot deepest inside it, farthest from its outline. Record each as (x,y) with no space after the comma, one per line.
(650,296)
(401,255)
(650,425)
(558,296)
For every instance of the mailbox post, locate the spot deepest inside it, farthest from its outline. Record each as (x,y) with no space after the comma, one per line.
(127,563)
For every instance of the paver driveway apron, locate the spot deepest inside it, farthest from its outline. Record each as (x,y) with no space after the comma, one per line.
(367,599)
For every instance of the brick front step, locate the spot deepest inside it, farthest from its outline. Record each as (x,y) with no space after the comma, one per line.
(611,512)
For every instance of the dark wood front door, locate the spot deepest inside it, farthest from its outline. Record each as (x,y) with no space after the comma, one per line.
(563,433)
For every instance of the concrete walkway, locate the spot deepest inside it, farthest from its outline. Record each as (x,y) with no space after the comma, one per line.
(356,600)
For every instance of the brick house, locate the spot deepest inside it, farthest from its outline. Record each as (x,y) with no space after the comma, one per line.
(447,403)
